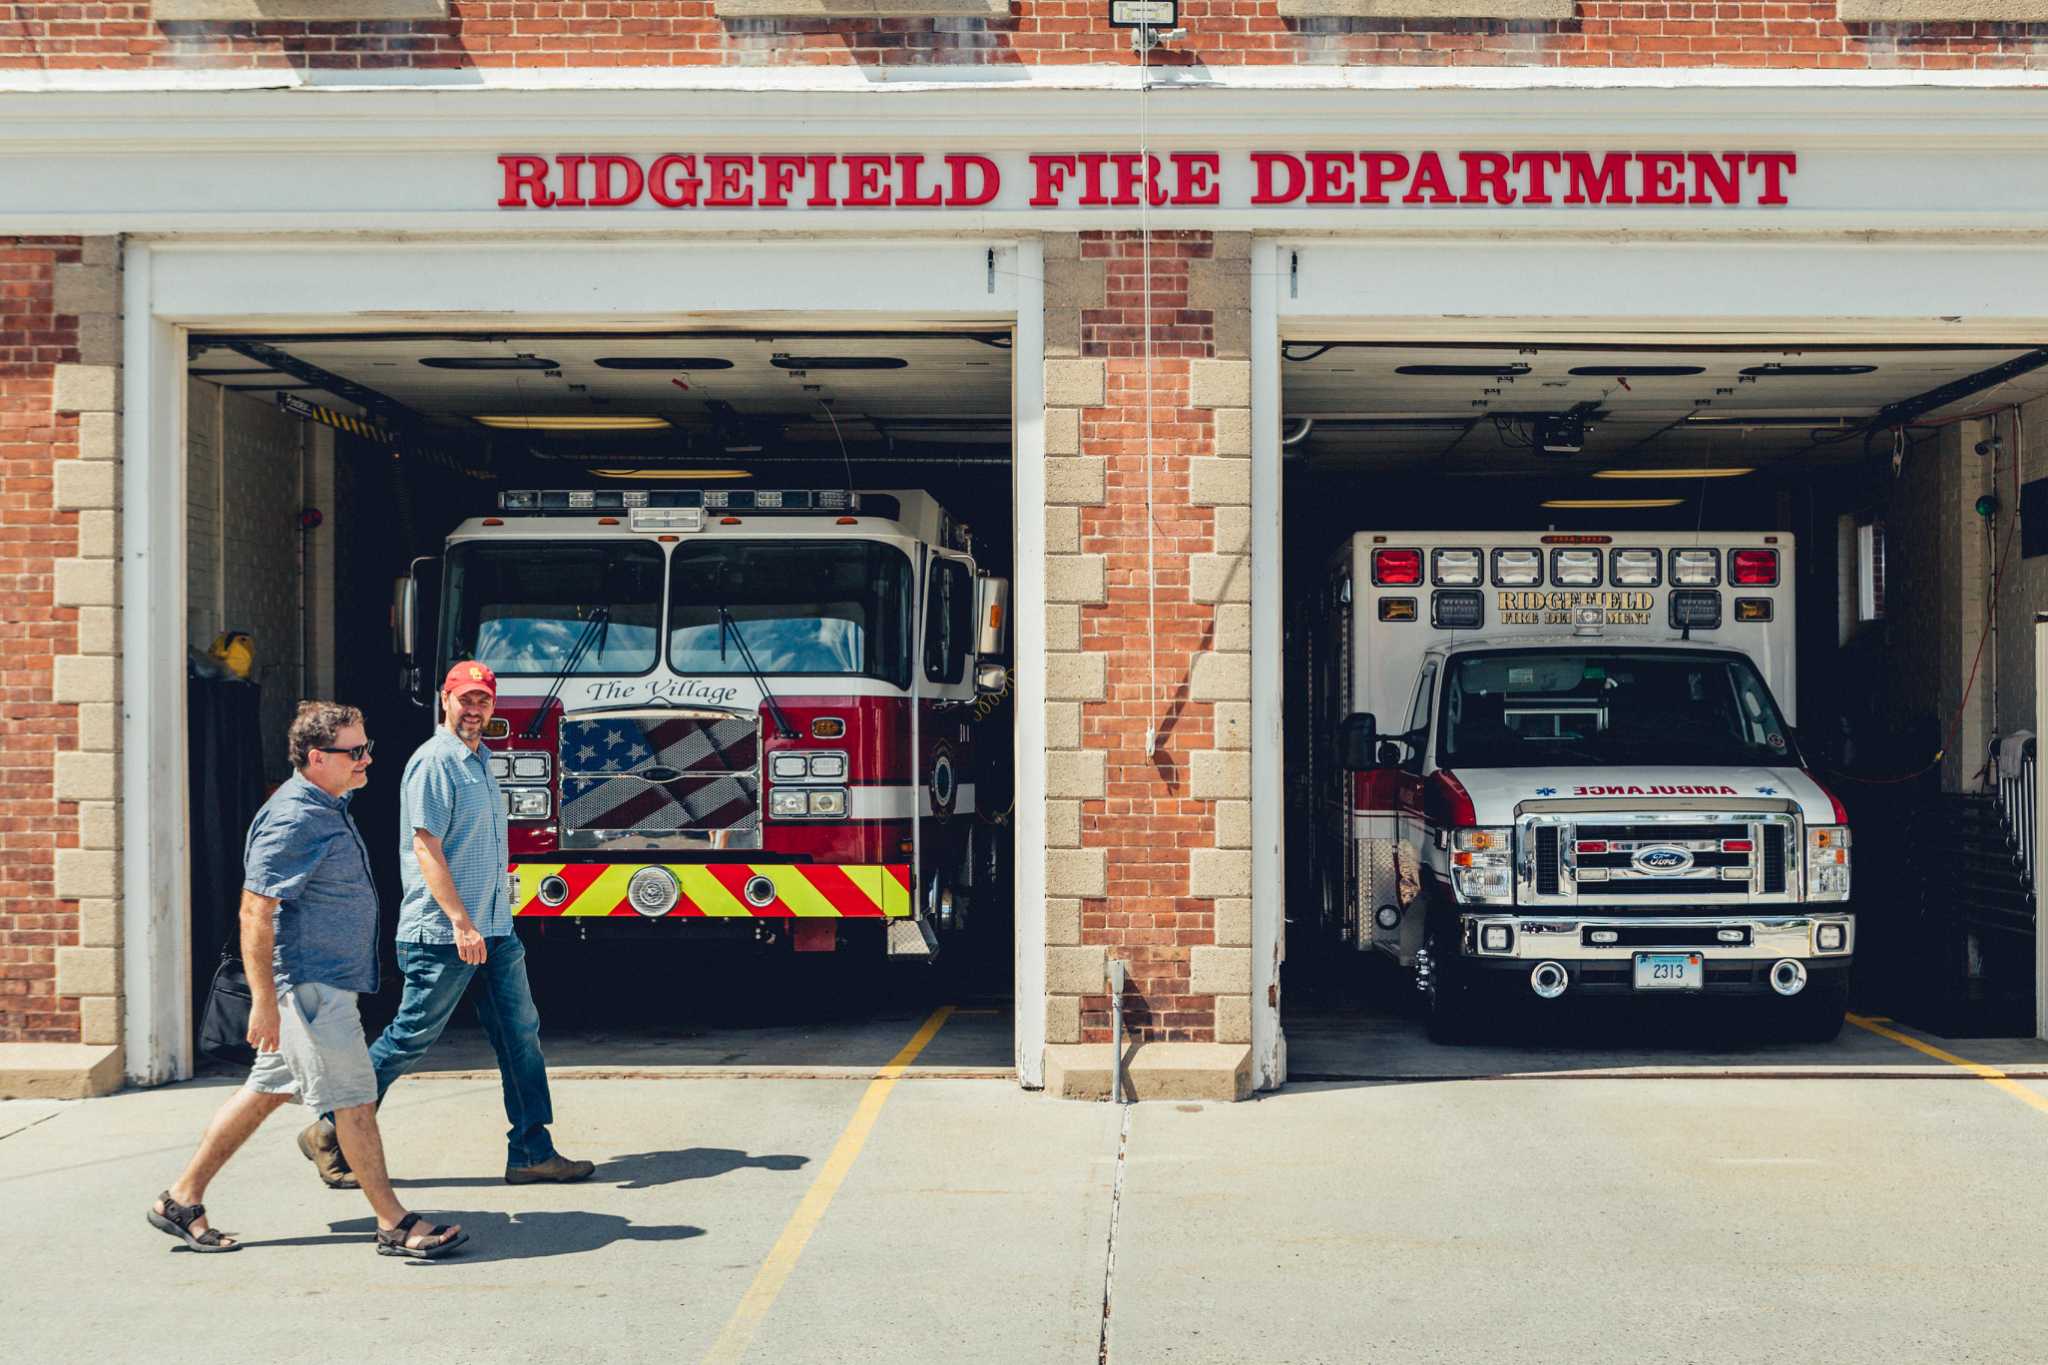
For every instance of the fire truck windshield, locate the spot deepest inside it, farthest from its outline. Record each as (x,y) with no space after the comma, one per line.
(521,605)
(809,606)
(1542,707)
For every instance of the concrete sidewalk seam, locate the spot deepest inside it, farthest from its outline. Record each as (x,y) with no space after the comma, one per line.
(1116,1204)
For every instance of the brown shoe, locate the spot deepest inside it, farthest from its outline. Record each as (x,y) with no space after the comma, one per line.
(557,1168)
(323,1149)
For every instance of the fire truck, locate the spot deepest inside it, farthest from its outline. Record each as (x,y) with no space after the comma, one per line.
(744,711)
(1562,766)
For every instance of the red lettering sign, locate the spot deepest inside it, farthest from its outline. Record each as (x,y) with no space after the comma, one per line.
(1322,179)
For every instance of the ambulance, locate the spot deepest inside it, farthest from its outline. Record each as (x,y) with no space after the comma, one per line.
(736,712)
(1560,766)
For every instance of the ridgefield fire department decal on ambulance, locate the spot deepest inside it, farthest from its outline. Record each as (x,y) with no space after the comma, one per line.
(1555,608)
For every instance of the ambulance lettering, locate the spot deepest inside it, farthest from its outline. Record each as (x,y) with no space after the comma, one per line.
(1656,791)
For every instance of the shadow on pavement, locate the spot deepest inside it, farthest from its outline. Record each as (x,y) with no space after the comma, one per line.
(640,1171)
(510,1237)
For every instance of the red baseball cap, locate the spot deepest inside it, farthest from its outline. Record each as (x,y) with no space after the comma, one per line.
(467,676)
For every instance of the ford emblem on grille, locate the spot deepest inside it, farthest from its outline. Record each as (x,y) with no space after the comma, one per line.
(657,773)
(1662,860)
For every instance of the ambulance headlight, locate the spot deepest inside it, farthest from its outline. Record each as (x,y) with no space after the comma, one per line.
(1696,568)
(1481,868)
(1827,863)
(1695,609)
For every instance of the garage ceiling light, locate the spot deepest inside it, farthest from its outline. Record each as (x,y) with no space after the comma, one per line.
(1462,371)
(837,362)
(1609,504)
(690,474)
(570,422)
(488,362)
(662,362)
(1730,472)
(1780,371)
(1637,371)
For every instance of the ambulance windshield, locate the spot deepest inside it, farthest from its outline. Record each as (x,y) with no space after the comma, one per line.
(1542,707)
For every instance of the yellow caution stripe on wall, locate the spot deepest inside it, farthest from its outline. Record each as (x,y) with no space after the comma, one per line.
(713,890)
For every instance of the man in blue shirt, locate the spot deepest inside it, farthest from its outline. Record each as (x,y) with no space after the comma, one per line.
(309,946)
(455,923)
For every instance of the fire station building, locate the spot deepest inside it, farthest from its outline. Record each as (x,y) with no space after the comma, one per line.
(297,292)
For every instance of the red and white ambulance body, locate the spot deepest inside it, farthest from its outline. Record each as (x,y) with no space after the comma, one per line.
(753,708)
(1565,764)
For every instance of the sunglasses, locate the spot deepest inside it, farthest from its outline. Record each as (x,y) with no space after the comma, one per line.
(356,752)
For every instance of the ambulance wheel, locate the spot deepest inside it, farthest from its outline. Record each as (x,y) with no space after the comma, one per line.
(1447,996)
(1816,1013)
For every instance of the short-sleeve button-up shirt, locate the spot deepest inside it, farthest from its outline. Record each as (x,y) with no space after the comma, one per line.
(304,852)
(449,792)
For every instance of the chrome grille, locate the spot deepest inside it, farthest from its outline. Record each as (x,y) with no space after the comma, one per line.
(661,779)
(1653,859)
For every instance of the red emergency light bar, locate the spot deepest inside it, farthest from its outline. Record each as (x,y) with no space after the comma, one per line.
(1397,568)
(1753,568)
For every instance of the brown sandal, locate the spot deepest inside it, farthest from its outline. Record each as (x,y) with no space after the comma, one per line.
(391,1241)
(177,1220)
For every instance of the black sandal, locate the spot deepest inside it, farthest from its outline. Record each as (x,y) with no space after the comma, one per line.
(177,1220)
(391,1241)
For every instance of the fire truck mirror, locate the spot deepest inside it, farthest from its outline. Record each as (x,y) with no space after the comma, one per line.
(1358,742)
(417,622)
(992,611)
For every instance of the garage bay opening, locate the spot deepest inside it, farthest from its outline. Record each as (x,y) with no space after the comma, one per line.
(746,598)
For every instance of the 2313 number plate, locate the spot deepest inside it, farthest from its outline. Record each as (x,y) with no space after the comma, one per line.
(1670,972)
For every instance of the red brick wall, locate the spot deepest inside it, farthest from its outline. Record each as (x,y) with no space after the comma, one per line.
(33,824)
(66,33)
(1147,823)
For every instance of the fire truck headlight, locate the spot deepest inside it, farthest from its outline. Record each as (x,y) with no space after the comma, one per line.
(829,765)
(787,803)
(528,803)
(790,765)
(530,767)
(501,767)
(829,801)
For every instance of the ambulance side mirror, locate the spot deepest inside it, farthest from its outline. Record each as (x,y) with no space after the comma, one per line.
(1358,742)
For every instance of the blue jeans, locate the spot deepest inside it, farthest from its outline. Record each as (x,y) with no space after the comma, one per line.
(435,978)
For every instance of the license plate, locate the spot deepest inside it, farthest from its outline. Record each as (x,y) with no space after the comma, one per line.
(1670,972)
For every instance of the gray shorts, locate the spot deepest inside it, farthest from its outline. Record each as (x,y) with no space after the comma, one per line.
(321,1054)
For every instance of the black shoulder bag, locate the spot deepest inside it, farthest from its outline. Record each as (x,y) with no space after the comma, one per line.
(224,1031)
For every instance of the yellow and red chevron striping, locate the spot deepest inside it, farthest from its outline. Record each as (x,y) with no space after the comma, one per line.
(714,890)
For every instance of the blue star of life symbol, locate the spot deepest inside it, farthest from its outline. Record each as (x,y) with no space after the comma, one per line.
(1766,791)
(1546,791)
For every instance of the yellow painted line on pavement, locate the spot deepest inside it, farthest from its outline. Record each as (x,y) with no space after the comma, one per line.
(739,1332)
(1991,1075)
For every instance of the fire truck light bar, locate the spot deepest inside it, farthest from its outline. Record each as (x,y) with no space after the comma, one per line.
(557,501)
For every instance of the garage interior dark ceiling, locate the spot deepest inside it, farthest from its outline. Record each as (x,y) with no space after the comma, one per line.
(1482,409)
(713,398)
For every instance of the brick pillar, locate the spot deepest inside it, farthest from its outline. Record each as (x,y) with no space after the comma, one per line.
(1148,626)
(59,815)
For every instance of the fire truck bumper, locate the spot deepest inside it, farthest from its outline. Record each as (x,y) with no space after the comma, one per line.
(712,890)
(1729,954)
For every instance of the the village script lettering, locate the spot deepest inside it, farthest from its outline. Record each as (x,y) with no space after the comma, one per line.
(662,689)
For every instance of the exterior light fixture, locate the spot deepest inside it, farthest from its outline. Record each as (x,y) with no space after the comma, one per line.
(693,475)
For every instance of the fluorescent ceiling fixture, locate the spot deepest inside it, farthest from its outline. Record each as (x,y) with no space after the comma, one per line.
(1609,504)
(488,362)
(691,474)
(1731,472)
(662,362)
(571,422)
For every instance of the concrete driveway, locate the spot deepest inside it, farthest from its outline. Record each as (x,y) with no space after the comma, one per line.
(1861,1202)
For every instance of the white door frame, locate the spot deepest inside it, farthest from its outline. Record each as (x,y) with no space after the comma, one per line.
(174,285)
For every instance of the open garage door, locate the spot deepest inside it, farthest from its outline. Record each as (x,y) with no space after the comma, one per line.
(746,596)
(1749,559)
